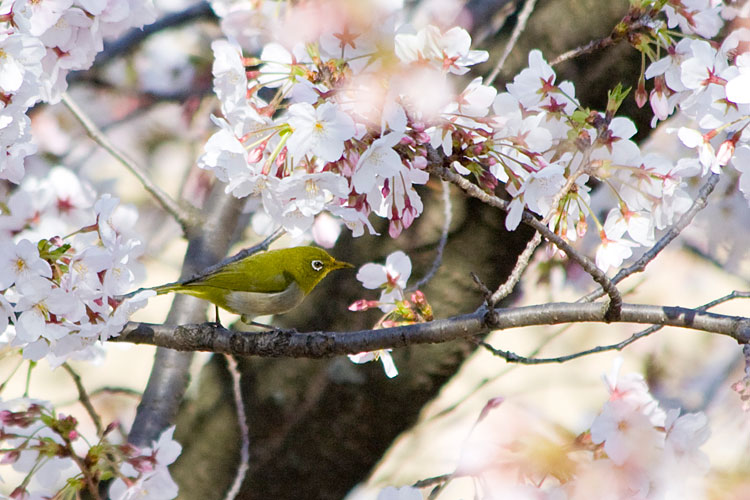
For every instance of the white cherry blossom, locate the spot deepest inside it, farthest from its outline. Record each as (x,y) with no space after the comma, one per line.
(19,262)
(319,131)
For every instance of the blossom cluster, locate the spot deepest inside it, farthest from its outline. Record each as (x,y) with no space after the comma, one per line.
(66,257)
(40,43)
(633,449)
(648,452)
(344,127)
(59,462)
(400,307)
(710,86)
(341,117)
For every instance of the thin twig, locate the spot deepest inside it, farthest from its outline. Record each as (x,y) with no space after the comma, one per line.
(263,245)
(83,397)
(515,358)
(590,47)
(135,36)
(21,361)
(116,390)
(245,252)
(447,218)
(529,219)
(735,294)
(673,232)
(109,390)
(618,34)
(520,26)
(92,482)
(508,368)
(482,287)
(515,276)
(244,431)
(523,260)
(182,215)
(511,357)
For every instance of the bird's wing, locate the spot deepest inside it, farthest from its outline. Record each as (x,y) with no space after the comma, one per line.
(233,277)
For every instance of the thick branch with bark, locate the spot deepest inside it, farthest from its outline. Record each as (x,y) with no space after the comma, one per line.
(285,343)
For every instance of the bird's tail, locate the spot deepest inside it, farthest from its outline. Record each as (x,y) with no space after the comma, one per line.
(160,290)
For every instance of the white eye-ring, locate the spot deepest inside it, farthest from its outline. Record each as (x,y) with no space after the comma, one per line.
(317,264)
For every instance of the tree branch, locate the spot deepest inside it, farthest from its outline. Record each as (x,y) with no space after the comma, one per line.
(285,343)
(512,357)
(244,464)
(624,29)
(83,397)
(181,214)
(673,232)
(125,44)
(447,218)
(523,17)
(615,299)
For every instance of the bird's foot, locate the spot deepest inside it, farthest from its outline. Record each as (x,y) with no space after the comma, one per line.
(250,322)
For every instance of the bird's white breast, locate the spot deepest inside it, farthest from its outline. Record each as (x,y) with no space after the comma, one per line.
(254,304)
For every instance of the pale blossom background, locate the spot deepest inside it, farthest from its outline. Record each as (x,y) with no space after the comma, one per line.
(700,364)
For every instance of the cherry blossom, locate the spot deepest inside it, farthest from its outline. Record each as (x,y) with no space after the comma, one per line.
(318,131)
(147,471)
(614,248)
(625,432)
(449,51)
(391,278)
(686,433)
(61,315)
(19,262)
(42,43)
(532,85)
(695,16)
(383,355)
(379,161)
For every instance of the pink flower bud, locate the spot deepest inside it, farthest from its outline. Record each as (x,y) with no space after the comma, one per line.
(418,298)
(422,138)
(406,140)
(10,457)
(582,227)
(19,493)
(142,464)
(659,104)
(363,305)
(419,162)
(255,155)
(395,228)
(641,96)
(489,406)
(111,426)
(725,153)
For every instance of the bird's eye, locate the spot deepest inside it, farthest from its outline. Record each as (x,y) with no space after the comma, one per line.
(317,265)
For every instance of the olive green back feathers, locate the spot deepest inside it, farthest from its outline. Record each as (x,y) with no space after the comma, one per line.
(267,273)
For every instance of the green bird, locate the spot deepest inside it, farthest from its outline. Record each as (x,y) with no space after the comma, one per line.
(264,283)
